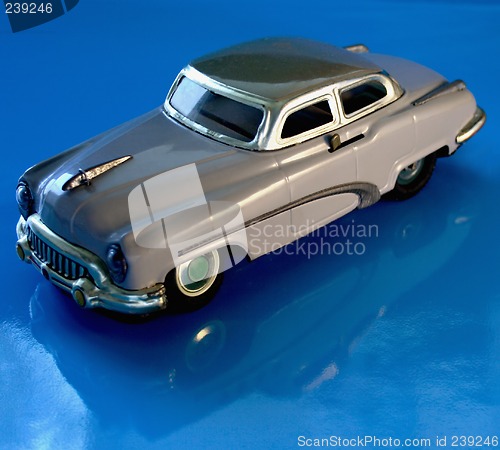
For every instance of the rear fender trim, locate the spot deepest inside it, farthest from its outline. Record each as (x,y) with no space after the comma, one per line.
(443,89)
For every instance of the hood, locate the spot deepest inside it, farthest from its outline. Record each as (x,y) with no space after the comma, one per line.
(90,215)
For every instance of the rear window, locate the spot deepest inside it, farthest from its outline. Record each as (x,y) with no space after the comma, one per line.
(362,96)
(216,112)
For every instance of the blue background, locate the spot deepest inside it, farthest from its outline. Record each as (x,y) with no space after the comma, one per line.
(401,342)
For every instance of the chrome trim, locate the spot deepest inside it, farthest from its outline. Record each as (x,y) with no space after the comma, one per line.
(84,177)
(368,194)
(443,89)
(393,90)
(96,284)
(357,48)
(47,254)
(295,106)
(472,126)
(226,91)
(268,135)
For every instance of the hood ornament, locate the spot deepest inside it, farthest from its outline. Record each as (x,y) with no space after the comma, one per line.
(84,177)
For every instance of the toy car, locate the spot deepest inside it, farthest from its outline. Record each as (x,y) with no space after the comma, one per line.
(255,146)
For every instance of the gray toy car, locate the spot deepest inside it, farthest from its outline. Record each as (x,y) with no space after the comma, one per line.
(255,146)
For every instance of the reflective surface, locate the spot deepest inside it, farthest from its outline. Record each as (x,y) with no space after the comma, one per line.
(399,338)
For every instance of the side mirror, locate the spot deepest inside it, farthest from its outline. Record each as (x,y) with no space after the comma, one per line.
(334,143)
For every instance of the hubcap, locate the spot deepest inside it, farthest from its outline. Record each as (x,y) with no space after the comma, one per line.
(411,172)
(196,276)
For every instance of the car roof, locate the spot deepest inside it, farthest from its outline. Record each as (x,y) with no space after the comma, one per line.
(279,69)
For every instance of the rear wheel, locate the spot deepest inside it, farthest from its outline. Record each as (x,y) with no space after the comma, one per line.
(413,178)
(194,283)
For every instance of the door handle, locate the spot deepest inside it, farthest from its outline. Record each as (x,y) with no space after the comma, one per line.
(334,143)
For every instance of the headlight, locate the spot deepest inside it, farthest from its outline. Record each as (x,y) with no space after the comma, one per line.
(116,263)
(24,199)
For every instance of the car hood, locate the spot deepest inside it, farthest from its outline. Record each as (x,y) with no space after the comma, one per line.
(98,213)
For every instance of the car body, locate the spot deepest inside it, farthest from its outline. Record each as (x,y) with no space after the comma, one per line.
(255,146)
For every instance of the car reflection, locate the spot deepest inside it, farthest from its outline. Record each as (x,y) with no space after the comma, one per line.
(286,329)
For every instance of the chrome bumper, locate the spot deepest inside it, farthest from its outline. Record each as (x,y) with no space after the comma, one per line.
(80,272)
(472,127)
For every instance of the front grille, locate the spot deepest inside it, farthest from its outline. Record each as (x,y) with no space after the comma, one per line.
(61,264)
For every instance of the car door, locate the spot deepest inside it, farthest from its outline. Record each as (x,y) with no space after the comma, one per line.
(379,126)
(312,167)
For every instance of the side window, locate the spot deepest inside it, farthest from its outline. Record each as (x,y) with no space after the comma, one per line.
(361,96)
(306,119)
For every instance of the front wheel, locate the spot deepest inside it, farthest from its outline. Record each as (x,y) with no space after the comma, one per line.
(194,283)
(413,178)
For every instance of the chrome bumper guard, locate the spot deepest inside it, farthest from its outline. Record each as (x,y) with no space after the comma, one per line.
(472,127)
(80,272)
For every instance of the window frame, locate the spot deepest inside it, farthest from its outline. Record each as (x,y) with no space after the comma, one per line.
(268,137)
(212,131)
(301,103)
(393,93)
(242,97)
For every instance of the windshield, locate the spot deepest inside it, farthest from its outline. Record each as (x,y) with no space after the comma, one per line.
(215,112)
